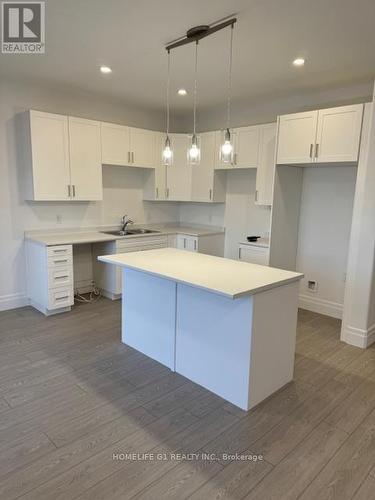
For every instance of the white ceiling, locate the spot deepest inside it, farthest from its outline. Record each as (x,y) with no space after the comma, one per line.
(337,38)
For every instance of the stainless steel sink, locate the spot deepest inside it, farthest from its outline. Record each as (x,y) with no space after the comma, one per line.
(130,232)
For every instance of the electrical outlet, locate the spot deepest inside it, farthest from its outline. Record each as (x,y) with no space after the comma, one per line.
(312,286)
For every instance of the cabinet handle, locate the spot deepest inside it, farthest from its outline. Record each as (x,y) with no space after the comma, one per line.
(311,150)
(74,190)
(210,194)
(61,277)
(195,245)
(62,298)
(184,242)
(167,193)
(316,150)
(69,190)
(235,159)
(239,253)
(59,261)
(256,195)
(157,192)
(132,156)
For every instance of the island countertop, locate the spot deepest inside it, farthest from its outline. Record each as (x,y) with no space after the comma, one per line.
(219,275)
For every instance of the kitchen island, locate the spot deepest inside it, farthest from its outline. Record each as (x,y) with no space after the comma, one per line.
(229,326)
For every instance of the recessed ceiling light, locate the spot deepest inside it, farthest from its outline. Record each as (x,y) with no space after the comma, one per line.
(299,61)
(181,92)
(105,69)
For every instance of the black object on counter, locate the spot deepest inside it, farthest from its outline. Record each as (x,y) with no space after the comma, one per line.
(252,239)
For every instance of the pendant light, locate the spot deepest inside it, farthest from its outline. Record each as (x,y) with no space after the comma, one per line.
(226,149)
(194,152)
(167,155)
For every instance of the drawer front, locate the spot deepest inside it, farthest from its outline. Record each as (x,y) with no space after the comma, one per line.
(60,276)
(60,261)
(60,297)
(254,255)
(59,251)
(136,244)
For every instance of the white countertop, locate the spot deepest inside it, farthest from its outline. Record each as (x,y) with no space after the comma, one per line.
(226,277)
(86,235)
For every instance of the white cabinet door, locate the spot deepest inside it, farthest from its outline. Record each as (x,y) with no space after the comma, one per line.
(155,179)
(338,134)
(179,175)
(85,159)
(266,168)
(246,147)
(50,156)
(296,138)
(115,144)
(187,242)
(202,186)
(254,254)
(142,147)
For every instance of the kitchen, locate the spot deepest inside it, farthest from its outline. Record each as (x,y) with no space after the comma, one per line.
(80,161)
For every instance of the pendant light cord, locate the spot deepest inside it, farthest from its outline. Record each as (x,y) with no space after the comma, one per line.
(230,76)
(195,87)
(168,85)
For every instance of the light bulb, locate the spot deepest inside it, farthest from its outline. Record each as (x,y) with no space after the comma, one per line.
(226,150)
(194,152)
(167,154)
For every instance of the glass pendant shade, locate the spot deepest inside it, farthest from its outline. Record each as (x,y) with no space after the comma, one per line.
(194,152)
(167,155)
(226,149)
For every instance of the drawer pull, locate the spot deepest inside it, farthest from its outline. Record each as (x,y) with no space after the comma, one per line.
(58,261)
(62,250)
(62,298)
(61,277)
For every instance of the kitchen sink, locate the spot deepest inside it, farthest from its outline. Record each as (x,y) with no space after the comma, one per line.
(130,232)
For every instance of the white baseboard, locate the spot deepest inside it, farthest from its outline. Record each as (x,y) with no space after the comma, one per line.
(13,301)
(358,337)
(322,306)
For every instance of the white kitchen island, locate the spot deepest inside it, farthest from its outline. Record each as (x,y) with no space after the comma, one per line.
(229,326)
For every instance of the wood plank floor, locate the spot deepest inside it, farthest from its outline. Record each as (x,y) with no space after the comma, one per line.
(74,401)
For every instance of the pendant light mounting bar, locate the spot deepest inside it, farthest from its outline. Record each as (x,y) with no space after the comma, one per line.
(198,32)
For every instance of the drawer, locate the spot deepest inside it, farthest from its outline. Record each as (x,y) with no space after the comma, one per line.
(60,297)
(135,244)
(60,261)
(59,251)
(60,276)
(254,255)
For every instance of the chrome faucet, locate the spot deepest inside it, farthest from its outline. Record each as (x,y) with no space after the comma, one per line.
(125,221)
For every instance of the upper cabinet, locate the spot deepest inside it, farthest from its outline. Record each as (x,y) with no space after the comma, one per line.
(338,134)
(179,174)
(245,141)
(49,176)
(128,146)
(142,147)
(246,147)
(155,184)
(296,137)
(115,144)
(85,159)
(206,185)
(266,168)
(324,136)
(65,157)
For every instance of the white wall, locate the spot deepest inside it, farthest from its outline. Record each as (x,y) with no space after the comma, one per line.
(323,237)
(239,215)
(122,186)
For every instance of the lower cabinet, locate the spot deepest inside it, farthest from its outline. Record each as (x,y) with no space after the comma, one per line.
(254,254)
(212,244)
(108,277)
(50,277)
